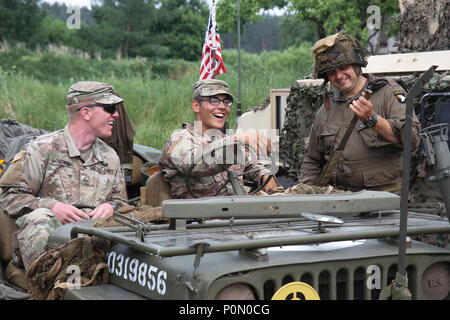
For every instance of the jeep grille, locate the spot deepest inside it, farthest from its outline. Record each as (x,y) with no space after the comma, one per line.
(334,280)
(342,283)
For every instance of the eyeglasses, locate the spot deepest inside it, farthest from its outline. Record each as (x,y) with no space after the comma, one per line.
(110,108)
(216,101)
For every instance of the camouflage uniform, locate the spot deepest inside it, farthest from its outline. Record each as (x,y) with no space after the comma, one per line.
(50,169)
(186,146)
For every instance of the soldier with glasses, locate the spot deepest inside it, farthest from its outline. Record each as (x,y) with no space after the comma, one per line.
(211,102)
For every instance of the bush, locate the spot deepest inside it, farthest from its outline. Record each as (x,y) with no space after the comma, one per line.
(297,58)
(291,60)
(56,66)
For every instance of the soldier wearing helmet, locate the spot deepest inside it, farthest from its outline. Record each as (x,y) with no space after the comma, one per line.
(211,102)
(65,176)
(372,155)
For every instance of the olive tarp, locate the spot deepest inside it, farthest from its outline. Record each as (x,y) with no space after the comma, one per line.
(13,135)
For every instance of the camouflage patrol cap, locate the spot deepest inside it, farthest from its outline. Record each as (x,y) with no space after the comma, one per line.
(211,87)
(87,91)
(335,51)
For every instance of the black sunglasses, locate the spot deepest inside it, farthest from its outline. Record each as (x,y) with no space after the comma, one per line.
(110,108)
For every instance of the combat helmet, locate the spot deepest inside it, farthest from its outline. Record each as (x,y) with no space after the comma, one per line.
(337,50)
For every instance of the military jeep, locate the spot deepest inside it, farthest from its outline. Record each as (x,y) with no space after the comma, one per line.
(343,246)
(258,244)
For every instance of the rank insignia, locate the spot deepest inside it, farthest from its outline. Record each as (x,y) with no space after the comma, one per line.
(172,146)
(18,156)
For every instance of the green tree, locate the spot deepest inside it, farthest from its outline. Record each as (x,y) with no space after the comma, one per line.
(328,16)
(182,24)
(54,31)
(59,11)
(20,19)
(166,29)
(127,25)
(257,37)
(349,15)
(294,33)
(263,34)
(249,12)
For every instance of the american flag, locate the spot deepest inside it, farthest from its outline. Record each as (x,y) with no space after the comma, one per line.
(207,70)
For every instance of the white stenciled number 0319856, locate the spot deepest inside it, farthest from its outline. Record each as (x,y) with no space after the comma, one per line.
(132,270)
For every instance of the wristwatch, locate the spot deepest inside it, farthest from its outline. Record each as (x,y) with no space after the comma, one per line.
(371,121)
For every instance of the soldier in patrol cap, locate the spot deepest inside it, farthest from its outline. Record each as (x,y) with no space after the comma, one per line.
(211,102)
(65,176)
(372,155)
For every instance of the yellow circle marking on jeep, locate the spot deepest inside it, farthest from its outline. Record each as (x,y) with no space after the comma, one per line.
(296,291)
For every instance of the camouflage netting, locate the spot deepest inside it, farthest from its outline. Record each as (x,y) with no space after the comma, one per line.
(304,101)
(423,25)
(302,105)
(302,188)
(49,275)
(143,213)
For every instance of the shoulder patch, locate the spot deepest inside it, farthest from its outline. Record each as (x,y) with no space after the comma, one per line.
(18,156)
(2,165)
(400,95)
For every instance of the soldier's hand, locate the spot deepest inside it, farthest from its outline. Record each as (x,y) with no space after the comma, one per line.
(67,213)
(271,185)
(102,211)
(362,108)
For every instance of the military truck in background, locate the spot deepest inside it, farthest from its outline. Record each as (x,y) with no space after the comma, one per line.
(338,246)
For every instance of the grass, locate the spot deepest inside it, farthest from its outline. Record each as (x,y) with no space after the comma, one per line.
(157,94)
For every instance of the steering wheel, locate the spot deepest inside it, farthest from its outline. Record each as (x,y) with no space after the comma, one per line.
(239,151)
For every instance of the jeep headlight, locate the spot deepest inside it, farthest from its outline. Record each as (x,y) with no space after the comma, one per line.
(237,291)
(435,281)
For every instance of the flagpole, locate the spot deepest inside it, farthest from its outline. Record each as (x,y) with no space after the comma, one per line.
(238,110)
(213,38)
(212,62)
